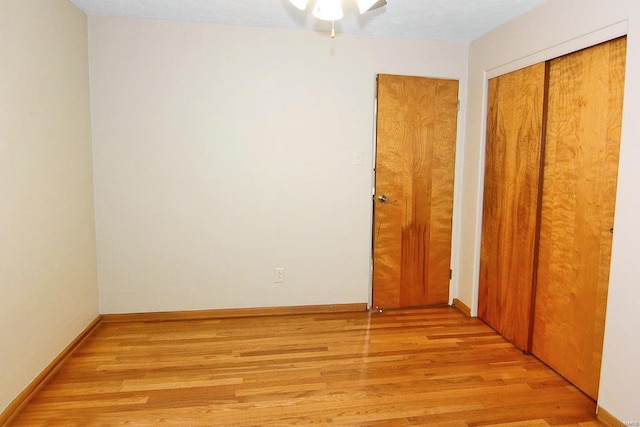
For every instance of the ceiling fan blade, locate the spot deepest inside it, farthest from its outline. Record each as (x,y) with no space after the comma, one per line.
(369,5)
(300,4)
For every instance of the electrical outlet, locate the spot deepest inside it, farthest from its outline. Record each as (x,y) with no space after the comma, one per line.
(278,276)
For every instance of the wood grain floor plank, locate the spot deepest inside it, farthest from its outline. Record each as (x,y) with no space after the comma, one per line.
(428,367)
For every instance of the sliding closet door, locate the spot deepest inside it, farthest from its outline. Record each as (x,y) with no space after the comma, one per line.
(580,173)
(511,193)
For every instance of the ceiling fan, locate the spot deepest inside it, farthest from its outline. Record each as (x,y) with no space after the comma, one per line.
(331,10)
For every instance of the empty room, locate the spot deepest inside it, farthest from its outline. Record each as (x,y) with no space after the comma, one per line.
(289,212)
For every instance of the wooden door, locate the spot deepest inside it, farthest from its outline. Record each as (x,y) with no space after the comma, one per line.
(580,174)
(415,156)
(511,200)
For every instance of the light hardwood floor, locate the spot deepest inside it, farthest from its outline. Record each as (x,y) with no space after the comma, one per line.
(428,367)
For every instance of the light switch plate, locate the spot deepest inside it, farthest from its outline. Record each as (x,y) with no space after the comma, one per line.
(357,157)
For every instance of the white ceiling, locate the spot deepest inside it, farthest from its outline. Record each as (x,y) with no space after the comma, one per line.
(451,20)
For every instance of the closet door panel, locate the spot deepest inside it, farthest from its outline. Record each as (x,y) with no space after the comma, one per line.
(511,199)
(578,201)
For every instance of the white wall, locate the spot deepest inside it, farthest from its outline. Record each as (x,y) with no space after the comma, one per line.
(48,283)
(223,152)
(559,27)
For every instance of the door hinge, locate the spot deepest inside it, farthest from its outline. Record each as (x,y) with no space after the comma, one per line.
(450,274)
(458,106)
(375,89)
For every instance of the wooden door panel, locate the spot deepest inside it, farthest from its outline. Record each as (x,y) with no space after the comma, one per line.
(581,167)
(511,199)
(415,156)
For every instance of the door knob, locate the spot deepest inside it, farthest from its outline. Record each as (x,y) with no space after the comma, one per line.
(382,198)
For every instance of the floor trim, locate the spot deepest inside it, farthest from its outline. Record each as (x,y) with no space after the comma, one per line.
(607,419)
(233,312)
(464,308)
(14,408)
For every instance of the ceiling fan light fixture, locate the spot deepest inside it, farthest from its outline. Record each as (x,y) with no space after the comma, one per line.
(367,5)
(328,10)
(300,4)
